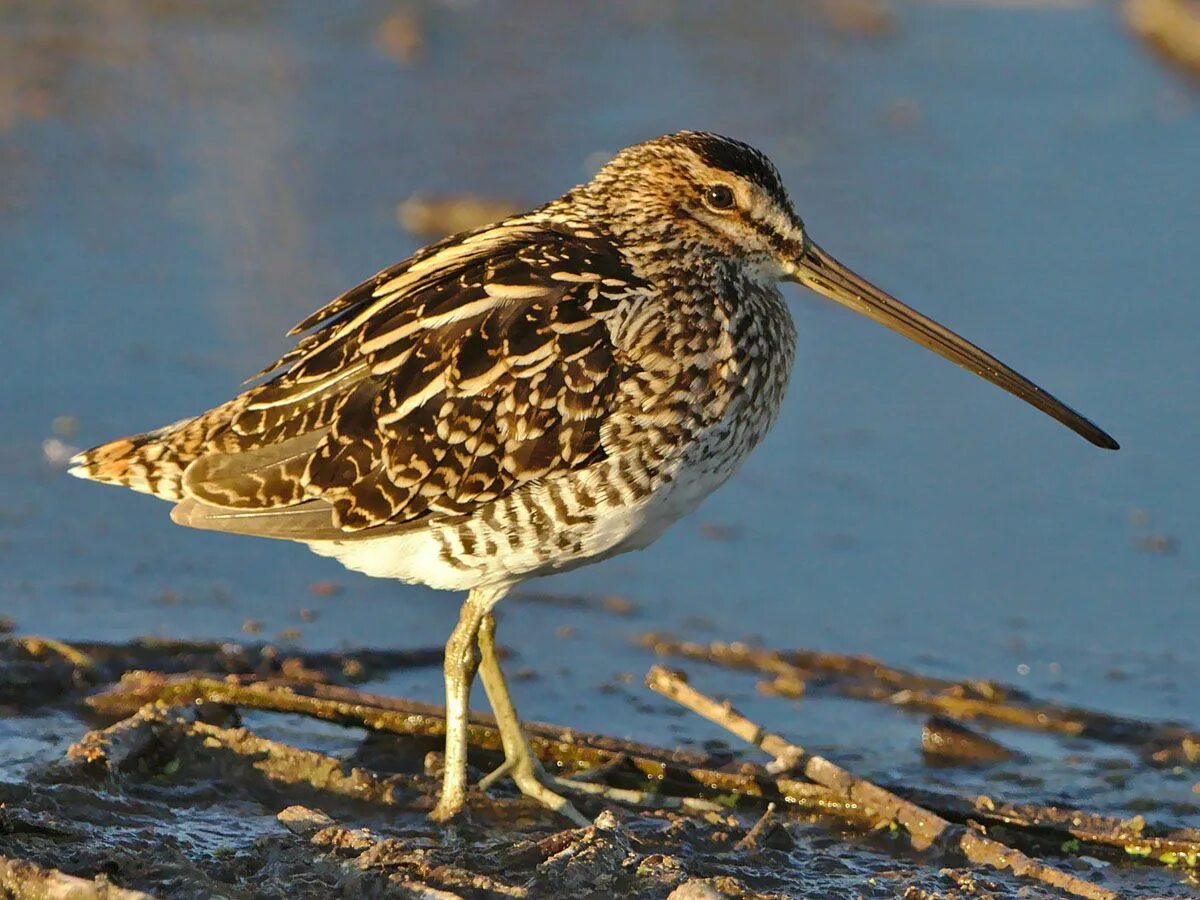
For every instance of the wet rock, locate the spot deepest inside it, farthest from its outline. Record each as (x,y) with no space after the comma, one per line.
(303,821)
(696,889)
(662,868)
(945,742)
(593,859)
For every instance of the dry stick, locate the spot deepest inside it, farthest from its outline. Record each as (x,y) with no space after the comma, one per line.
(925,827)
(864,678)
(363,709)
(560,748)
(35,669)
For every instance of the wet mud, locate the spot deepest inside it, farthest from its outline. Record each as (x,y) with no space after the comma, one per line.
(178,789)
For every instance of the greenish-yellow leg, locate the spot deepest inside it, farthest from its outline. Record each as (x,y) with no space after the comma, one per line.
(519,762)
(462,660)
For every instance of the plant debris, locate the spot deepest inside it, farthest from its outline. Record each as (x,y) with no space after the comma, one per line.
(181,794)
(797,672)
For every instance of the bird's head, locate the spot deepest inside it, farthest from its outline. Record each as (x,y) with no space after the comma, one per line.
(694,198)
(694,201)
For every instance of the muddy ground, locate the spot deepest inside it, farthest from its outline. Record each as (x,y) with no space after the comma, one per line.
(242,771)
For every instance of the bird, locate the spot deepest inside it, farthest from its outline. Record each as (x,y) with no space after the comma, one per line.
(529,397)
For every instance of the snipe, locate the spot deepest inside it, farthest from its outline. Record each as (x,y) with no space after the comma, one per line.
(529,397)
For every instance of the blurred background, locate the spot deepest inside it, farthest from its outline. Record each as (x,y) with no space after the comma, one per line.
(181,182)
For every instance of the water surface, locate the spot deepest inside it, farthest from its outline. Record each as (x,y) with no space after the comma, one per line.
(182,184)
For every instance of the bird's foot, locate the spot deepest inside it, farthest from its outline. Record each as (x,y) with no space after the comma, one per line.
(533,781)
(448,807)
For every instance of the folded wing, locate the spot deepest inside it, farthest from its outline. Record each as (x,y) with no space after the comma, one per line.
(441,385)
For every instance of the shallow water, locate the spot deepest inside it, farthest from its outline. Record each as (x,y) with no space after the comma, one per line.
(181,186)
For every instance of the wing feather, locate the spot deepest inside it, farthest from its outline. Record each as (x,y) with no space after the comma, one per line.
(443,383)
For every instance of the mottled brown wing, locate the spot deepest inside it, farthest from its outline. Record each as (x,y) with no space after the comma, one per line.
(442,384)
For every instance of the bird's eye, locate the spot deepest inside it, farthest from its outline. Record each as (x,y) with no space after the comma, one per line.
(719,197)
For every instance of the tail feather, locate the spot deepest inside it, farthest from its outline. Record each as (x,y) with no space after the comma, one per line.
(141,462)
(308,521)
(154,462)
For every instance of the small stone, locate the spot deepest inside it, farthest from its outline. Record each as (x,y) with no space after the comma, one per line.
(325,588)
(304,821)
(592,859)
(615,603)
(696,890)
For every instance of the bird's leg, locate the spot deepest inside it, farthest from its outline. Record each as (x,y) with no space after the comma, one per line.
(519,762)
(462,659)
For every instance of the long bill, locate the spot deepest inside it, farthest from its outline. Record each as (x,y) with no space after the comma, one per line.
(819,271)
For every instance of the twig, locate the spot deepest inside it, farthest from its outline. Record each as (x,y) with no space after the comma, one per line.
(863,678)
(637,798)
(750,841)
(654,774)
(924,826)
(1181,847)
(562,750)
(34,670)
(37,646)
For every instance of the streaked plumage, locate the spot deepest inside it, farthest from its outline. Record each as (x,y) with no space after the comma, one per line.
(501,404)
(527,397)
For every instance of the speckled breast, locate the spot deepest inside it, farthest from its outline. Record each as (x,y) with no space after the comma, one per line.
(701,399)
